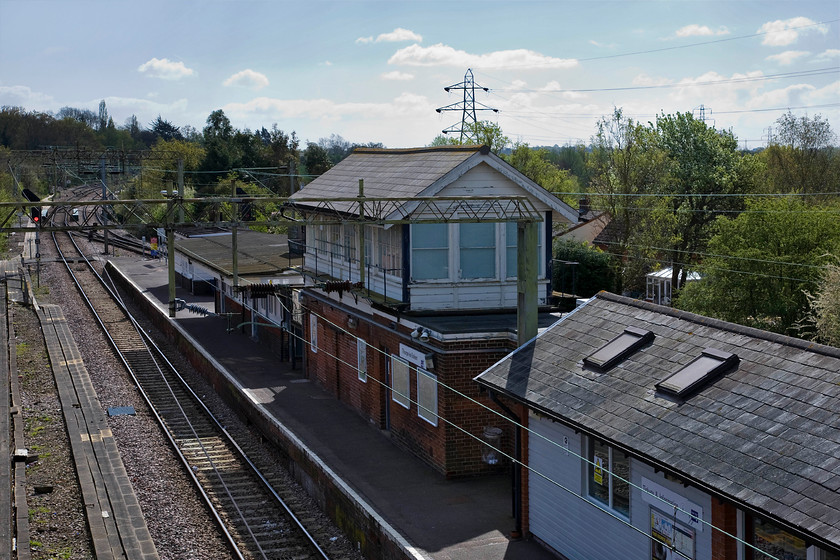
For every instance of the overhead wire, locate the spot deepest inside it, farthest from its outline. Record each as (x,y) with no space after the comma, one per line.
(714,255)
(703,43)
(527,429)
(744,79)
(785,75)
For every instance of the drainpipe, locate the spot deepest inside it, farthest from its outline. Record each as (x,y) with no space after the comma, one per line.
(516,472)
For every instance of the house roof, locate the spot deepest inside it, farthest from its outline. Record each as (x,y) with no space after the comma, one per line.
(415,172)
(667,272)
(765,435)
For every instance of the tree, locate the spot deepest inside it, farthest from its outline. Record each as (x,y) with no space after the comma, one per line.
(627,170)
(337,148)
(801,157)
(825,307)
(315,159)
(489,134)
(761,264)
(444,140)
(534,164)
(84,116)
(572,159)
(582,269)
(165,130)
(221,152)
(486,133)
(159,170)
(703,174)
(102,121)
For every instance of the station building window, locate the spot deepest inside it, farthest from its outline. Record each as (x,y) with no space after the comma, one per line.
(361,359)
(609,471)
(427,396)
(775,541)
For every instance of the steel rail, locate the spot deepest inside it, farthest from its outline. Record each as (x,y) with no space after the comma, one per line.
(196,401)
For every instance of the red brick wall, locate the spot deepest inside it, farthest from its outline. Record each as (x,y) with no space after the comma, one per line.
(522,410)
(724,516)
(445,447)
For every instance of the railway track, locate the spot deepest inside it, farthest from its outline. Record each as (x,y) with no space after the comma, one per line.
(252,514)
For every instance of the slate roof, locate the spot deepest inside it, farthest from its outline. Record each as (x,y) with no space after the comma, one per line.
(766,435)
(413,172)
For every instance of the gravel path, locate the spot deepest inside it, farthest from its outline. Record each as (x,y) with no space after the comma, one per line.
(178,521)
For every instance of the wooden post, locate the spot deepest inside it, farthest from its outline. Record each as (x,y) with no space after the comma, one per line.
(526,281)
(361,232)
(181,190)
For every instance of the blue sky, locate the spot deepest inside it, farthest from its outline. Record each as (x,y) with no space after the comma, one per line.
(374,71)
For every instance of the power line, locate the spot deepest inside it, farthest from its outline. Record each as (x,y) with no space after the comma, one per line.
(703,43)
(696,44)
(653,115)
(694,266)
(530,432)
(745,79)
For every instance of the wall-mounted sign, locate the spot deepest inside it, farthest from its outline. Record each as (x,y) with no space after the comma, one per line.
(413,356)
(660,497)
(599,470)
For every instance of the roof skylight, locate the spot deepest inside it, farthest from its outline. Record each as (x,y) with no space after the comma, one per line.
(618,349)
(701,370)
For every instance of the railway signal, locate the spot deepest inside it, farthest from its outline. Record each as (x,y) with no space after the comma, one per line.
(34,211)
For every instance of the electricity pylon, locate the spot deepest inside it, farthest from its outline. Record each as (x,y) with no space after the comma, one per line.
(467,108)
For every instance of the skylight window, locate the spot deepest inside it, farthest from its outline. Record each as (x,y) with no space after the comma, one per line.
(618,349)
(707,366)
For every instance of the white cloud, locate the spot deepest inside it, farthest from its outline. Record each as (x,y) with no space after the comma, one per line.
(23,96)
(247,78)
(788,57)
(645,80)
(326,109)
(397,76)
(165,69)
(782,97)
(695,30)
(444,55)
(396,36)
(828,54)
(143,108)
(781,33)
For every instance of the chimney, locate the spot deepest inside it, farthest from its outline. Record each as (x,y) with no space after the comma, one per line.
(583,207)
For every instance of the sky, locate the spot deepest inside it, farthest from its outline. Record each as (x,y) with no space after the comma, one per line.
(375,71)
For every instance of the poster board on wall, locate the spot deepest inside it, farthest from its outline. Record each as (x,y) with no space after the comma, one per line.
(669,535)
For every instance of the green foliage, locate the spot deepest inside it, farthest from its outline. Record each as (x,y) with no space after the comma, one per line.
(22,130)
(801,157)
(487,133)
(165,130)
(761,264)
(315,160)
(703,169)
(160,170)
(825,307)
(595,270)
(444,140)
(627,170)
(482,133)
(534,164)
(572,159)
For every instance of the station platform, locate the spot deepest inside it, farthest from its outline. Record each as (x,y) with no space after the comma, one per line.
(429,516)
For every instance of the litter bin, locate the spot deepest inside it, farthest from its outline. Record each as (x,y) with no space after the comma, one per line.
(492,439)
